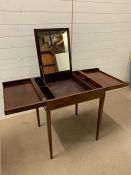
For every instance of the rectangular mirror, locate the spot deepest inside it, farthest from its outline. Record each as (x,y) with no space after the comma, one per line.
(53,49)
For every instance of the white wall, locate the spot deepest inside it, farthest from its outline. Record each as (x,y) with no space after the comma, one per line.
(101,35)
(18,18)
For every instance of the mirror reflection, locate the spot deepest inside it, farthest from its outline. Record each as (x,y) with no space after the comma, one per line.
(54,50)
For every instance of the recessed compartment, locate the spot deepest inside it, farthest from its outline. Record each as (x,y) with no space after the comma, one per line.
(78,74)
(42,88)
(92,83)
(47,93)
(66,87)
(40,82)
(87,80)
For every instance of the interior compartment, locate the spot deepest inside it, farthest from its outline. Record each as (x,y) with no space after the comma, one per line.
(65,87)
(47,93)
(63,84)
(40,82)
(79,74)
(87,80)
(92,83)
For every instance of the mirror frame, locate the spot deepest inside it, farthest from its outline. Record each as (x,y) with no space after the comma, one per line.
(36,31)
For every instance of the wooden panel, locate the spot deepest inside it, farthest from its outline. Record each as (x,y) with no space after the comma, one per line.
(105,80)
(76,98)
(20,95)
(48,59)
(50,69)
(65,87)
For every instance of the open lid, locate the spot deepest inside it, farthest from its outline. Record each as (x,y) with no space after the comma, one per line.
(53,50)
(22,95)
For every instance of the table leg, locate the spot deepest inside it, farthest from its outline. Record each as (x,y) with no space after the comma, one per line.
(100,112)
(38,116)
(76,108)
(48,118)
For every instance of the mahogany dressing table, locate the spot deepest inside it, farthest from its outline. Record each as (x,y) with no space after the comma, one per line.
(58,85)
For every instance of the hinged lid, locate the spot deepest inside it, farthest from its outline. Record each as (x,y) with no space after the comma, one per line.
(53,50)
(22,95)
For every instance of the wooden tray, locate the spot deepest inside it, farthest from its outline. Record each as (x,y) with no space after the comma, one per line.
(21,95)
(105,80)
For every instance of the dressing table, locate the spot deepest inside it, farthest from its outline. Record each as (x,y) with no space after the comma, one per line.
(58,86)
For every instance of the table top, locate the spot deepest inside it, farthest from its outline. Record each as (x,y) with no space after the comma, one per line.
(59,91)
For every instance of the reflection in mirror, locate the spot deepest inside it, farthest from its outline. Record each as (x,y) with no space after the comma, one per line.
(53,50)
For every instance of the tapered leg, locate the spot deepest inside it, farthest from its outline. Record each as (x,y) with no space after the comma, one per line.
(38,116)
(76,108)
(48,118)
(100,112)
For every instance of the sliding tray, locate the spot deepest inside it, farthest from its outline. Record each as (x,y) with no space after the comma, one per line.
(105,80)
(22,95)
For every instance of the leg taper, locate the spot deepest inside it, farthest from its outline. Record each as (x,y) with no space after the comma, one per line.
(100,112)
(38,116)
(48,118)
(76,109)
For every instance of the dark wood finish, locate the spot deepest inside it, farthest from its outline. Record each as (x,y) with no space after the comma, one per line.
(52,77)
(82,88)
(67,87)
(40,52)
(76,108)
(76,98)
(105,80)
(41,95)
(58,89)
(87,80)
(100,112)
(38,116)
(48,119)
(20,95)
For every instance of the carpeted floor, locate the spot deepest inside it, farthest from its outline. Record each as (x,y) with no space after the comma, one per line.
(24,146)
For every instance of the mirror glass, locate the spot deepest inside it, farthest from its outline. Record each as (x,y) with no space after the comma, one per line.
(53,50)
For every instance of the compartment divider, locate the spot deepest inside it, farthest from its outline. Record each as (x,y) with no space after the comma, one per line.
(82,83)
(88,80)
(43,90)
(40,82)
(47,92)
(37,88)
